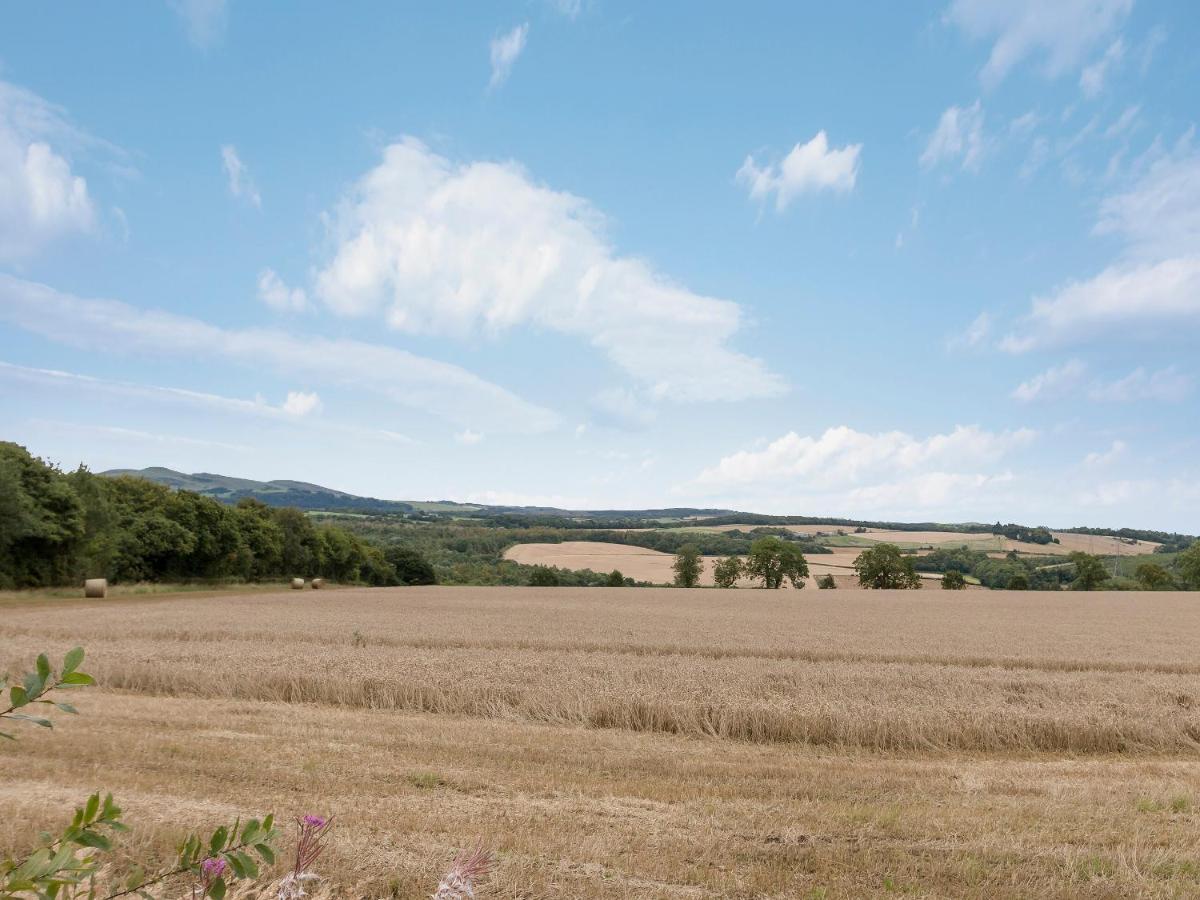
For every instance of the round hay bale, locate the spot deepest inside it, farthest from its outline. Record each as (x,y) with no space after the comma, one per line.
(96,587)
(318,583)
(297,584)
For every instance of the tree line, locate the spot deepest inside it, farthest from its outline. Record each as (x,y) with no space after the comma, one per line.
(57,528)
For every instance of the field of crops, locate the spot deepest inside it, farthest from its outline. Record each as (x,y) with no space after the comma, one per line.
(646,742)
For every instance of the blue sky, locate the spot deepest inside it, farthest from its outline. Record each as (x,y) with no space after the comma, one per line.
(934,261)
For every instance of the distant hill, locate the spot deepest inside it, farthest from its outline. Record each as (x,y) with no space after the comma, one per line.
(300,494)
(315,497)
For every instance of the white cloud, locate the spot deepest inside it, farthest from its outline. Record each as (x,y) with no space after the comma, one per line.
(842,456)
(439,248)
(240,183)
(41,198)
(468,437)
(1062,32)
(1159,215)
(1138,300)
(205,20)
(807,168)
(1154,286)
(1167,385)
(569,8)
(438,388)
(958,136)
(300,403)
(504,52)
(77,430)
(1091,79)
(277,295)
(1098,459)
(975,334)
(1054,383)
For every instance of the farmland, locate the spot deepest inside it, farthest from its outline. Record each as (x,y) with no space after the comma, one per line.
(647,743)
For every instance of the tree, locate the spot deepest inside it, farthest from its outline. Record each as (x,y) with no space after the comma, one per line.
(543,576)
(826,583)
(1018,582)
(771,560)
(953,580)
(411,567)
(1152,576)
(1089,571)
(1188,563)
(884,567)
(687,566)
(615,579)
(727,572)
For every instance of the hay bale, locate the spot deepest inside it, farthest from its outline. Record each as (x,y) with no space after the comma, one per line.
(318,583)
(96,587)
(297,584)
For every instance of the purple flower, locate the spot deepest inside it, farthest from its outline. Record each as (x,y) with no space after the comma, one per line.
(213,867)
(314,821)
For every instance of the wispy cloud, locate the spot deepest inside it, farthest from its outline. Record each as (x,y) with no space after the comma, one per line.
(1055,383)
(241,185)
(205,20)
(277,295)
(958,137)
(437,388)
(504,51)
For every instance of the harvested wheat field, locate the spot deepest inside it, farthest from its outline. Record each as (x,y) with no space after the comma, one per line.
(654,566)
(616,743)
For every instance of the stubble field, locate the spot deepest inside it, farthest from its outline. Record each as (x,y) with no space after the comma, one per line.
(647,743)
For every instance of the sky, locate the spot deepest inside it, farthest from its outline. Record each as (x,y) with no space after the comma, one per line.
(929,261)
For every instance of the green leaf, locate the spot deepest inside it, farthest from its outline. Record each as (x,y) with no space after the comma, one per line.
(250,832)
(72,660)
(216,890)
(248,864)
(236,864)
(217,841)
(136,876)
(266,853)
(66,707)
(17,696)
(92,839)
(269,822)
(91,807)
(43,667)
(78,678)
(36,720)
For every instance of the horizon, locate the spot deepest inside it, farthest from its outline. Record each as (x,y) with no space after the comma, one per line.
(593,256)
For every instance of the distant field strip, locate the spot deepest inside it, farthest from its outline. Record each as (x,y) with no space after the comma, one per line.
(1082,673)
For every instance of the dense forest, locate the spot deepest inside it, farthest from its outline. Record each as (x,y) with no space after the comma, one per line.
(60,527)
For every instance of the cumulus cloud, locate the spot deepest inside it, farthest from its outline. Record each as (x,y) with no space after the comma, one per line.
(301,403)
(1054,383)
(958,138)
(241,185)
(440,389)
(504,52)
(808,168)
(1153,286)
(205,20)
(41,197)
(467,437)
(456,249)
(276,294)
(843,456)
(1062,33)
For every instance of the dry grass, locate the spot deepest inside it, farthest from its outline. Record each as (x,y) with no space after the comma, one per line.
(654,566)
(650,743)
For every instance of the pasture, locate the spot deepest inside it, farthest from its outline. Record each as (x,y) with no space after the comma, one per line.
(646,742)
